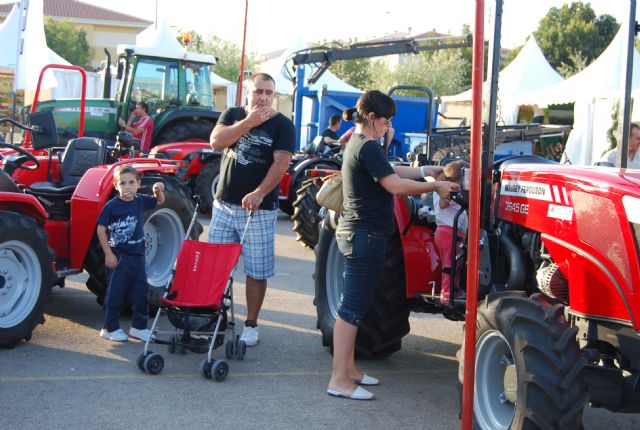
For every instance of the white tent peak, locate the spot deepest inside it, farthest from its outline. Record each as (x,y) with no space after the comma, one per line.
(35,52)
(162,37)
(162,42)
(529,71)
(603,77)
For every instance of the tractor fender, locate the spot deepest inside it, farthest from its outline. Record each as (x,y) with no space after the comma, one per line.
(421,259)
(90,196)
(23,203)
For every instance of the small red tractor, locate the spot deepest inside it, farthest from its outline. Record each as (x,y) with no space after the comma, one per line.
(49,206)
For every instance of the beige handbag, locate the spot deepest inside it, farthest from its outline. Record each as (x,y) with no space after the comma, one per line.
(330,193)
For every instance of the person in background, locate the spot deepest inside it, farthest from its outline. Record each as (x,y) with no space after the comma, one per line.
(364,228)
(142,129)
(121,236)
(258,143)
(446,210)
(633,160)
(330,135)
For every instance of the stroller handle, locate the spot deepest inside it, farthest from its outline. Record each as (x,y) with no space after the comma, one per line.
(246,227)
(198,201)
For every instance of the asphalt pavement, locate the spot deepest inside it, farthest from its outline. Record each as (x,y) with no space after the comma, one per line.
(67,377)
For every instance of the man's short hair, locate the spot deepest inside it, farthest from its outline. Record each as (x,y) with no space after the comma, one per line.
(263,76)
(335,119)
(144,105)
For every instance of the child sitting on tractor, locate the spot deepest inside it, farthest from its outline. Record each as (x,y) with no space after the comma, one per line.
(446,210)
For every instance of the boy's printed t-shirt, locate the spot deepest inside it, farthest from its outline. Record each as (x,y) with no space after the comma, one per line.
(124,221)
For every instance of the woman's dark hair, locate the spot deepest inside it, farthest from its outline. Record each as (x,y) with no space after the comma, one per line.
(376,102)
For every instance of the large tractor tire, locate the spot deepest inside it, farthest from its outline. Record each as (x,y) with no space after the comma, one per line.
(286,206)
(206,183)
(26,277)
(528,365)
(306,213)
(164,230)
(188,130)
(387,320)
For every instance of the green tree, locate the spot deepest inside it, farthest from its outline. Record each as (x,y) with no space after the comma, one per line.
(572,36)
(68,41)
(227,53)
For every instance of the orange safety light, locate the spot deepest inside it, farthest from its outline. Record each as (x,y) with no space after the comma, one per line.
(186,38)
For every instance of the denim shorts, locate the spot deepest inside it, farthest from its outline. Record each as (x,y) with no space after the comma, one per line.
(364,253)
(258,251)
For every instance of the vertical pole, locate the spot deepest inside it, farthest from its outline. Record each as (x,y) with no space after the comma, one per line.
(155,22)
(297,105)
(622,154)
(474,219)
(22,22)
(244,40)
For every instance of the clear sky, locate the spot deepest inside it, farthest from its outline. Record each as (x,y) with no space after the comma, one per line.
(276,24)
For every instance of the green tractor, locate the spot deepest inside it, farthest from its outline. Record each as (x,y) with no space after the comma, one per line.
(177,89)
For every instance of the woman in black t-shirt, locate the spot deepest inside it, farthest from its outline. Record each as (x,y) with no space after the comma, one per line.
(366,224)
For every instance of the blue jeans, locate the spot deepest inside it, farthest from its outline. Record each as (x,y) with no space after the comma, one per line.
(127,281)
(364,253)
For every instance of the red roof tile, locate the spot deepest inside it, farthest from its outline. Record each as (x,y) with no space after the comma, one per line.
(80,11)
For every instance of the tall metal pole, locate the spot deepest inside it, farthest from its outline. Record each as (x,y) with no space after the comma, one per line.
(474,218)
(22,22)
(244,41)
(623,147)
(156,20)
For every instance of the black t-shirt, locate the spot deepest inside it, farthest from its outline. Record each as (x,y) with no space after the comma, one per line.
(367,205)
(246,163)
(124,221)
(330,134)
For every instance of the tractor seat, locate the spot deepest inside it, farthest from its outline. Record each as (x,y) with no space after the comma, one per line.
(81,154)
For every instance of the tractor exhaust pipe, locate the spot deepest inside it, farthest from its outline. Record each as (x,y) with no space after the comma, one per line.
(517,268)
(106,89)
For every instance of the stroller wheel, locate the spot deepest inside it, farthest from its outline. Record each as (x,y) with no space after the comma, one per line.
(205,367)
(153,364)
(241,349)
(228,349)
(220,370)
(140,361)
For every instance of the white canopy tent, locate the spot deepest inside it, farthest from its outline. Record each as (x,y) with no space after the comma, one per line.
(35,52)
(529,71)
(230,89)
(595,90)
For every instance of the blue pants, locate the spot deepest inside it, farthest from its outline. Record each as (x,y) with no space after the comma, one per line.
(364,253)
(127,281)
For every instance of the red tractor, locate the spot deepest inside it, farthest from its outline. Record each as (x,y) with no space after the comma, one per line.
(558,321)
(49,206)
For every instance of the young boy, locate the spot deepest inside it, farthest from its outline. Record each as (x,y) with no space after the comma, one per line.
(122,239)
(445,212)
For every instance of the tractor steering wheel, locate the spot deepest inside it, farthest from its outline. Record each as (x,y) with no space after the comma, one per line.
(18,163)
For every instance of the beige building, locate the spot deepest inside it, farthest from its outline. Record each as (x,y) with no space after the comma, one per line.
(104,28)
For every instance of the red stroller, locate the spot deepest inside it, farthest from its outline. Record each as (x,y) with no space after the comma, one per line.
(197,297)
